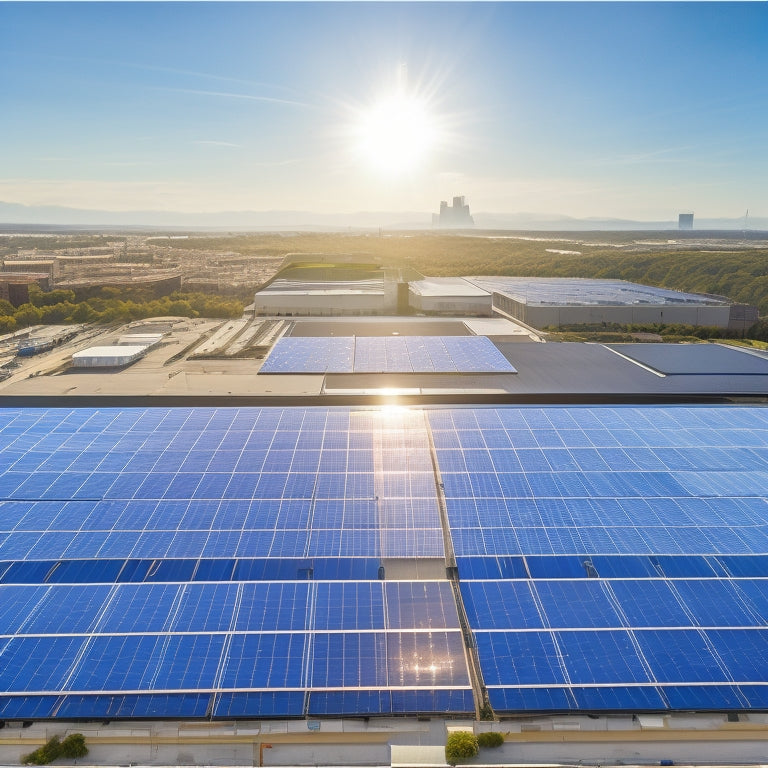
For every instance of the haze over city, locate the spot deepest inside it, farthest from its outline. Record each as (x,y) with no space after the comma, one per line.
(635,110)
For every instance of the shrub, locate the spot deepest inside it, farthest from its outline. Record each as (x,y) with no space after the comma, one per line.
(45,754)
(461,745)
(490,739)
(72,747)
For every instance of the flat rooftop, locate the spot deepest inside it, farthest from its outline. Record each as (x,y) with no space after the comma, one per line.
(572,291)
(283,286)
(447,286)
(210,359)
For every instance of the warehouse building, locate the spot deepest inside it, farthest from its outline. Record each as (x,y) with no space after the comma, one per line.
(329,285)
(551,302)
(116,356)
(452,296)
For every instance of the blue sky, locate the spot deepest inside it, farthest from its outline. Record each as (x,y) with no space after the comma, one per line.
(636,110)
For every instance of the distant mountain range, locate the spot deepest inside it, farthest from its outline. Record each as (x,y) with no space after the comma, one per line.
(14,216)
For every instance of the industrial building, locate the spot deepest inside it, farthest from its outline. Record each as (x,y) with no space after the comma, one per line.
(454,296)
(549,302)
(48,267)
(333,286)
(115,356)
(14,286)
(329,285)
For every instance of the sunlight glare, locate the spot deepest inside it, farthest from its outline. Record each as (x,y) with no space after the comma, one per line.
(396,134)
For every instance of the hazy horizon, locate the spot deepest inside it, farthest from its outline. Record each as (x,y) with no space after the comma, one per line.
(633,111)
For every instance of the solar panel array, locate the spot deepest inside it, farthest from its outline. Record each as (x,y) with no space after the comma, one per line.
(200,562)
(228,562)
(582,291)
(386,354)
(612,558)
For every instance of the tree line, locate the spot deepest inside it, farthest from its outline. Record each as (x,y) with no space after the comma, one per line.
(112,305)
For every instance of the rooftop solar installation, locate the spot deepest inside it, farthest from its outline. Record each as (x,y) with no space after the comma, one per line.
(612,558)
(695,359)
(238,562)
(296,354)
(585,291)
(386,354)
(221,563)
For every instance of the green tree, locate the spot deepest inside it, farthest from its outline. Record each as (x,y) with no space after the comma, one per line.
(47,298)
(27,314)
(84,313)
(57,313)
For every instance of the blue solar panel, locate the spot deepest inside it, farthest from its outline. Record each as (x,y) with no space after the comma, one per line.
(615,697)
(386,354)
(519,658)
(266,661)
(27,707)
(228,562)
(135,706)
(630,521)
(37,664)
(260,704)
(310,355)
(710,697)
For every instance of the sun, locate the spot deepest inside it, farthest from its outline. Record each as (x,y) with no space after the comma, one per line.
(396,133)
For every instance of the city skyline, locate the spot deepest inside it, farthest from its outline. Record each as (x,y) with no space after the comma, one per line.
(637,110)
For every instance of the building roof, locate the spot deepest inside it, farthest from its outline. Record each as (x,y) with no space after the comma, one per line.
(283,286)
(110,352)
(446,286)
(270,562)
(586,291)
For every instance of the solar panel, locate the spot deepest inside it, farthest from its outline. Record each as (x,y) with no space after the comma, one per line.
(610,556)
(295,354)
(386,354)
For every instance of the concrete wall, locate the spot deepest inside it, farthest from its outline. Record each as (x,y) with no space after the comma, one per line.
(452,305)
(541,316)
(328,305)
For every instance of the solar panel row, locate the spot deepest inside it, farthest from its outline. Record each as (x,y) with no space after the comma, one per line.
(280,606)
(237,664)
